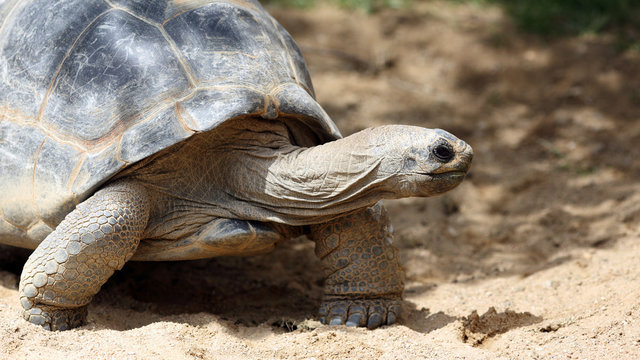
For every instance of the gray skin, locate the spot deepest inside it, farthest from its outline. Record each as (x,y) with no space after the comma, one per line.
(173,130)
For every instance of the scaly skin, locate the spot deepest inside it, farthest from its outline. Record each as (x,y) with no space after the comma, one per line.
(363,285)
(73,262)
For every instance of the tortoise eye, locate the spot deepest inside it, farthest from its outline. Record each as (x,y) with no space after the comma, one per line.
(444,153)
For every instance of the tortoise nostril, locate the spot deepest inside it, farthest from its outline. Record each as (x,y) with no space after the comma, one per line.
(444,153)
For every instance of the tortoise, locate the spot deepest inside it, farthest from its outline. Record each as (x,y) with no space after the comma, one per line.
(176,130)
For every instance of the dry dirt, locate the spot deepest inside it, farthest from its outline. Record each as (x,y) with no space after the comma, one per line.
(533,257)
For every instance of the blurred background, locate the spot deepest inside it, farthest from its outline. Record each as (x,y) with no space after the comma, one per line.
(543,17)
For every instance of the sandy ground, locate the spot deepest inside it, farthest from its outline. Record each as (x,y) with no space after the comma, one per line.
(533,257)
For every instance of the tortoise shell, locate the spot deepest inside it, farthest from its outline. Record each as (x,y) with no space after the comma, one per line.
(89,87)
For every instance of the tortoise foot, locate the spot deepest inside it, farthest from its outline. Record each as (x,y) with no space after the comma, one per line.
(371,313)
(56,318)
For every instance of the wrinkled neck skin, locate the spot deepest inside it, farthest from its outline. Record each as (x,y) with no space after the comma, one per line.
(332,178)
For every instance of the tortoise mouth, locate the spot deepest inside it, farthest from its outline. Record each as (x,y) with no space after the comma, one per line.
(456,174)
(431,184)
(452,175)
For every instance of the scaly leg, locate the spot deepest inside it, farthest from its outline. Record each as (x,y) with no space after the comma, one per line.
(363,285)
(73,262)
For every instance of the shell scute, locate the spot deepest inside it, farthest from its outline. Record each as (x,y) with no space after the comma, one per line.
(120,69)
(33,43)
(228,45)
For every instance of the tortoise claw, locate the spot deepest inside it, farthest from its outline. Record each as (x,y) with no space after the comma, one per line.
(375,321)
(360,313)
(355,320)
(391,318)
(54,318)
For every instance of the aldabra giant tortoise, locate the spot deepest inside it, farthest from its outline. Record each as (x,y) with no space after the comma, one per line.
(172,130)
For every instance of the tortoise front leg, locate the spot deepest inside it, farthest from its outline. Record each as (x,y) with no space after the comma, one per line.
(73,262)
(363,285)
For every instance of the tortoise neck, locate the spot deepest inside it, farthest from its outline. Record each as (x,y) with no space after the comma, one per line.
(300,186)
(250,170)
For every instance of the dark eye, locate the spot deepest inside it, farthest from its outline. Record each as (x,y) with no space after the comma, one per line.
(443,153)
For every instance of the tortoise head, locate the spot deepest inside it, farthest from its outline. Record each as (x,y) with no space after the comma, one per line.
(421,162)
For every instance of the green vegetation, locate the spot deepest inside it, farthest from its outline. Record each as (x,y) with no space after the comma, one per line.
(572,17)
